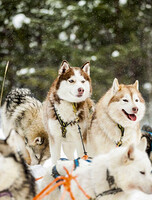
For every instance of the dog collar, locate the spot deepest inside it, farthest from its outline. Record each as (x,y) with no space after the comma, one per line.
(111,182)
(6,193)
(119,143)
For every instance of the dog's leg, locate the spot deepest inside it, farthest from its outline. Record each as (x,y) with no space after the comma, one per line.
(55,149)
(68,149)
(79,148)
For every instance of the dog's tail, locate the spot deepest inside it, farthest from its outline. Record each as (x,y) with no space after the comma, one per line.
(16,97)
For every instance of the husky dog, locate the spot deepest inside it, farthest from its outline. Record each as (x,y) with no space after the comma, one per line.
(147,133)
(110,176)
(116,119)
(22,112)
(68,108)
(114,175)
(16,180)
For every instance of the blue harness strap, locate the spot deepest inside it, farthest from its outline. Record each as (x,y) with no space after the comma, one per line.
(76,163)
(63,159)
(149,132)
(55,173)
(89,161)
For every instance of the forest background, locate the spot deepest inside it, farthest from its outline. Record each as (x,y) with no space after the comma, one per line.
(114,35)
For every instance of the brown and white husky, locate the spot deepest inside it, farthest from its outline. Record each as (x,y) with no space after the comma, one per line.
(116,119)
(16,179)
(22,112)
(66,104)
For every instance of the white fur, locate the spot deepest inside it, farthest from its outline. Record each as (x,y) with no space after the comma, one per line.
(125,164)
(8,176)
(72,140)
(126,173)
(104,131)
(69,91)
(12,169)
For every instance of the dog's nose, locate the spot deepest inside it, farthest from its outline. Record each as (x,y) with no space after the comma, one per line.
(80,90)
(135,109)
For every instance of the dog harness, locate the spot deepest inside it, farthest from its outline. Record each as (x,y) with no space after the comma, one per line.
(6,193)
(119,143)
(56,174)
(113,190)
(63,124)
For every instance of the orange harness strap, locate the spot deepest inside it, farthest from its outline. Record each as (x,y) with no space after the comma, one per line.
(37,179)
(66,182)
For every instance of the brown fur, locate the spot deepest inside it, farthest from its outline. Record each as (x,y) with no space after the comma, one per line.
(24,114)
(128,89)
(104,132)
(53,102)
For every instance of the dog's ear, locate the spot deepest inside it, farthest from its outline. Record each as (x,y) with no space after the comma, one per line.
(129,154)
(17,144)
(64,67)
(86,68)
(15,141)
(136,84)
(143,144)
(115,86)
(39,140)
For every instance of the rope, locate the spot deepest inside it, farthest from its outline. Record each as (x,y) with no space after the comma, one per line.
(62,180)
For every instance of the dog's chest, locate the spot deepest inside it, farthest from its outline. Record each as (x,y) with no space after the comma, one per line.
(65,114)
(66,111)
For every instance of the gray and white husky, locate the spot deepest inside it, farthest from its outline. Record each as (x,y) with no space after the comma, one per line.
(16,180)
(68,100)
(22,112)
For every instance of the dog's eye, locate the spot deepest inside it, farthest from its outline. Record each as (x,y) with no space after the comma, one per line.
(83,81)
(142,172)
(71,81)
(136,100)
(125,100)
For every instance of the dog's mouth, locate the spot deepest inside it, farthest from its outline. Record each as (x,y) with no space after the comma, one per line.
(131,117)
(79,95)
(76,95)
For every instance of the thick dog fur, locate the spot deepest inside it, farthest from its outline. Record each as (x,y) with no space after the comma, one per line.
(147,133)
(15,177)
(73,85)
(124,168)
(123,105)
(22,112)
(129,168)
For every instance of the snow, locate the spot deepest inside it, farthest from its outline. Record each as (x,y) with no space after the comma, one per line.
(63,36)
(115,53)
(20,19)
(24,71)
(122,2)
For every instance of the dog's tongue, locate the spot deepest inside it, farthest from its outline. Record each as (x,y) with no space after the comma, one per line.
(132,117)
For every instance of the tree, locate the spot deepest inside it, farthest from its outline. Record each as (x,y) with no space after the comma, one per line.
(111,34)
